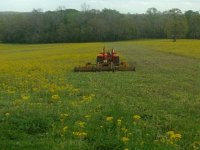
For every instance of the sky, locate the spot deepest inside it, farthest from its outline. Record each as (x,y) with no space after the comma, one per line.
(124,6)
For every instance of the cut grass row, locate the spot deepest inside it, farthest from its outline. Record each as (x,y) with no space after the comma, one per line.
(189,48)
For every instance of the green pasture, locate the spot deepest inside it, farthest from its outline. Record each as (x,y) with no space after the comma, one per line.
(45,105)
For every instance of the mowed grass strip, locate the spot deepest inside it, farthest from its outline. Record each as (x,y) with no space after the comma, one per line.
(189,48)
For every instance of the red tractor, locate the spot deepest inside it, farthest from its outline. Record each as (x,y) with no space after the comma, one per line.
(106,58)
(106,61)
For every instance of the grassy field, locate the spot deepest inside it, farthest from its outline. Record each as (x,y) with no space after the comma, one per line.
(45,105)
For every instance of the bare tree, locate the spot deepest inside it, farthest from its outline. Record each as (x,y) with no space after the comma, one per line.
(85,7)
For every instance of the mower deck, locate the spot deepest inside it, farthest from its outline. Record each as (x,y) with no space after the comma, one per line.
(95,68)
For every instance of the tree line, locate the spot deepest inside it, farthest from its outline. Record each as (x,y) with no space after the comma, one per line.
(70,25)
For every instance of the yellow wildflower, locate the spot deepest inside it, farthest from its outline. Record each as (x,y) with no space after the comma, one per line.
(119,122)
(82,124)
(124,129)
(87,116)
(125,139)
(170,133)
(34,89)
(55,97)
(25,97)
(175,136)
(86,99)
(7,114)
(80,134)
(92,95)
(126,149)
(109,118)
(65,128)
(64,115)
(136,117)
(52,90)
(129,134)
(10,91)
(75,90)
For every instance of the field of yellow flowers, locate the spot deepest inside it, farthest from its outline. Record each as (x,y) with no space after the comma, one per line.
(45,105)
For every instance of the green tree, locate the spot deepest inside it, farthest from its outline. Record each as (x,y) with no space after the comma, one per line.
(176,24)
(69,25)
(193,19)
(1,28)
(154,24)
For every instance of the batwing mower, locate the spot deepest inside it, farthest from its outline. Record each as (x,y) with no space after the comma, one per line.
(106,61)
